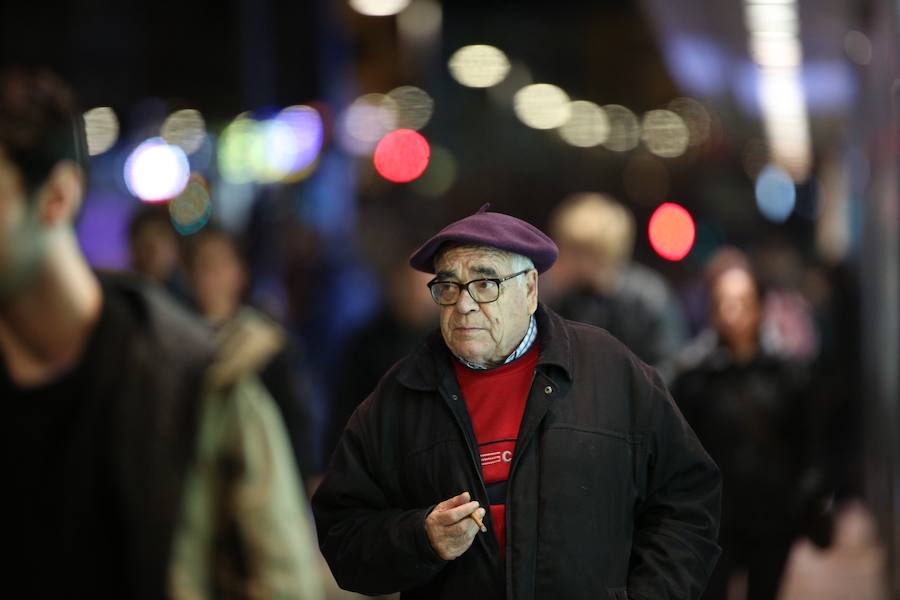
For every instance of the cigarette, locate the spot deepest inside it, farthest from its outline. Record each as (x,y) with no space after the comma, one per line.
(477,519)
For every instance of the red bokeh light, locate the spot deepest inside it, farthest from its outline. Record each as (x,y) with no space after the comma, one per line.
(672,231)
(402,155)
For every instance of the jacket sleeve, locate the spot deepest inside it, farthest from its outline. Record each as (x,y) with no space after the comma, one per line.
(372,545)
(677,519)
(244,529)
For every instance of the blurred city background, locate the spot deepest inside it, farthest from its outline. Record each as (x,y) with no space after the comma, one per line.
(293,153)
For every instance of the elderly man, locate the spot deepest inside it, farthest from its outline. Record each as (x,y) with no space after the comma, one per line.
(588,481)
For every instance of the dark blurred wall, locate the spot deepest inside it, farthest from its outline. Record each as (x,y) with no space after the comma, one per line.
(879,124)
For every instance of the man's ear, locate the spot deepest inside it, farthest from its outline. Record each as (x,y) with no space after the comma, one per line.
(531,290)
(59,199)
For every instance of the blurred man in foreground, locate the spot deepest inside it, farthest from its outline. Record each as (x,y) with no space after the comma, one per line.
(570,451)
(140,463)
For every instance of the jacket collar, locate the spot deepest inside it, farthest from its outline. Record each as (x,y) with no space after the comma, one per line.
(424,368)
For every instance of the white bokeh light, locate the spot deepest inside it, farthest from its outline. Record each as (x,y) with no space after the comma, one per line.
(378,8)
(156,171)
(478,66)
(101,128)
(414,106)
(422,20)
(542,106)
(587,125)
(624,128)
(665,133)
(185,129)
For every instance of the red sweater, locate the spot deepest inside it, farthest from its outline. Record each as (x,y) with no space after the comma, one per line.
(496,400)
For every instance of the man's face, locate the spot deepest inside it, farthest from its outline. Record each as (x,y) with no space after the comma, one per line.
(154,251)
(736,311)
(12,208)
(485,333)
(217,273)
(18,236)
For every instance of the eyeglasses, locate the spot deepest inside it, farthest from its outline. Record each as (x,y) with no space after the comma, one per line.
(482,291)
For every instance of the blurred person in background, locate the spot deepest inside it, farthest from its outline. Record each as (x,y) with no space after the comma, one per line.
(752,412)
(597,282)
(587,479)
(219,282)
(407,315)
(155,249)
(139,463)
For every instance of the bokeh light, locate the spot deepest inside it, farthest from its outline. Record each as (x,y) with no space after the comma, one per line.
(421,20)
(858,47)
(672,231)
(414,106)
(478,66)
(695,116)
(190,210)
(776,194)
(237,145)
(542,106)
(624,128)
(440,175)
(101,128)
(291,142)
(401,155)
(664,133)
(378,8)
(587,125)
(185,129)
(366,121)
(156,171)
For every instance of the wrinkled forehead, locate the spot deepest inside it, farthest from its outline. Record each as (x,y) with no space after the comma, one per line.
(483,260)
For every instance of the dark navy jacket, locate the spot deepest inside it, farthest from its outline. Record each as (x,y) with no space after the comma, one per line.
(610,493)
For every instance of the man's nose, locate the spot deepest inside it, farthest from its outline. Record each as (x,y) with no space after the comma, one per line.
(465,303)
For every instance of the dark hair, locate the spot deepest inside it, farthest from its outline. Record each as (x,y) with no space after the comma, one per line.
(40,124)
(146,215)
(212,231)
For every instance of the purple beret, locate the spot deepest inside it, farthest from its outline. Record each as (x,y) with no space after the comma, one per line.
(490,229)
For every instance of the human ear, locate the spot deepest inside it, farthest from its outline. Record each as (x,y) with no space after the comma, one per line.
(531,290)
(60,197)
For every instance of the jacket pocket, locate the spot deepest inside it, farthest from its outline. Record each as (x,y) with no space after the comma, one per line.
(617,593)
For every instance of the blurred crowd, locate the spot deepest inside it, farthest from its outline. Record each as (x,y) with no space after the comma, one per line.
(758,350)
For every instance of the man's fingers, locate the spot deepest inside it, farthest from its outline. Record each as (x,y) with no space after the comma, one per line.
(457,514)
(452,502)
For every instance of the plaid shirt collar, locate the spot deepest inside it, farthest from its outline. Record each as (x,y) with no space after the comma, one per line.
(523,347)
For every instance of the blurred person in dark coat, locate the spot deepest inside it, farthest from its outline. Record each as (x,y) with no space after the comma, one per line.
(141,460)
(751,411)
(219,282)
(405,318)
(597,282)
(589,482)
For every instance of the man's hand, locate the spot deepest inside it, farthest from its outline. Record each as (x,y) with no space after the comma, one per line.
(450,528)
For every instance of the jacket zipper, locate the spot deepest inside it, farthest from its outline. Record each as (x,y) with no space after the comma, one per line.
(483,489)
(508,508)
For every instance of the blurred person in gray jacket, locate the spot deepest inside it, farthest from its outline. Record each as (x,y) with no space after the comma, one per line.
(597,282)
